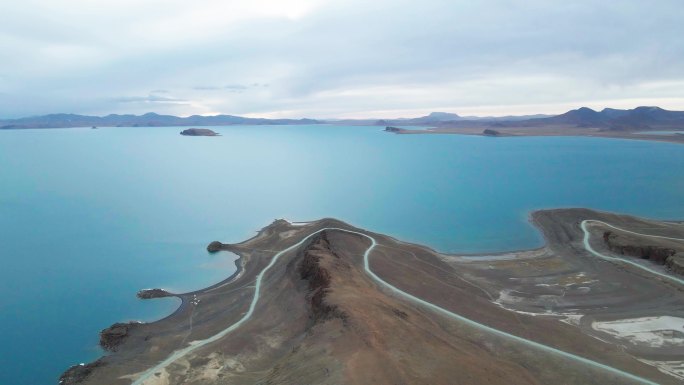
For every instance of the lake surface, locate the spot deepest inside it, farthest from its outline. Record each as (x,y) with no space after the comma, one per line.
(88,217)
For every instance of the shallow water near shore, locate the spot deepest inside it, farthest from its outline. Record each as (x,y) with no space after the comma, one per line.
(88,217)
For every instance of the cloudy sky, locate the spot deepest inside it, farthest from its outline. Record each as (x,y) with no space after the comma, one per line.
(338,58)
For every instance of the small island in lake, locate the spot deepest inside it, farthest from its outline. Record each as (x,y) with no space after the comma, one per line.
(490,132)
(393,129)
(199,132)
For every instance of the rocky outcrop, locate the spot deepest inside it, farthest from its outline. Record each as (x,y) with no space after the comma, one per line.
(112,337)
(153,293)
(79,373)
(490,132)
(393,129)
(215,246)
(622,246)
(199,132)
(661,255)
(313,269)
(676,263)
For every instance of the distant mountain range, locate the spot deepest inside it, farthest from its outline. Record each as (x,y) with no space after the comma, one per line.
(435,119)
(148,120)
(640,118)
(449,117)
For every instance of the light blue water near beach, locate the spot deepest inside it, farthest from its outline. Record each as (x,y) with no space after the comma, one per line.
(88,217)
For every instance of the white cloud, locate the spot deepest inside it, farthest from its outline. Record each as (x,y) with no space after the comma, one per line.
(338,57)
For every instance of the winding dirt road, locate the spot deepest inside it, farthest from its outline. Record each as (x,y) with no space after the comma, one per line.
(535,345)
(590,249)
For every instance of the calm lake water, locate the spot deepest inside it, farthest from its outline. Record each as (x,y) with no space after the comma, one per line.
(88,217)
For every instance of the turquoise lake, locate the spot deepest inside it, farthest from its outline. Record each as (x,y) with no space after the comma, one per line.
(89,217)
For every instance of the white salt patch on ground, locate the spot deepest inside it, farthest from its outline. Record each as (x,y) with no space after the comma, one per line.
(295,223)
(651,331)
(506,297)
(511,256)
(673,368)
(572,319)
(654,331)
(483,258)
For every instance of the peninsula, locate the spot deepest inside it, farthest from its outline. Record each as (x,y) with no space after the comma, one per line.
(326,303)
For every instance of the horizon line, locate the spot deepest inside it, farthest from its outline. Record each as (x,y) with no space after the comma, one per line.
(254,116)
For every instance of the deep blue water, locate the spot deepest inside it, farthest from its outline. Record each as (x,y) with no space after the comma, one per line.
(88,217)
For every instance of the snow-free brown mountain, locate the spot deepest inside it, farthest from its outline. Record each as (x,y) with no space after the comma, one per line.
(641,123)
(640,118)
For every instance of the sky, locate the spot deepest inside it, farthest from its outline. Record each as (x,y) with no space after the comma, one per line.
(338,58)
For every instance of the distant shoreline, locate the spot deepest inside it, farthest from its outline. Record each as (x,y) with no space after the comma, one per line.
(642,118)
(508,132)
(546,132)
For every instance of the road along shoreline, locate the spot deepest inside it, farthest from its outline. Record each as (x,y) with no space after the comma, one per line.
(589,248)
(198,344)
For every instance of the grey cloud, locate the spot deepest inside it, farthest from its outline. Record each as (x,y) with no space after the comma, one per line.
(235,87)
(350,57)
(149,99)
(229,87)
